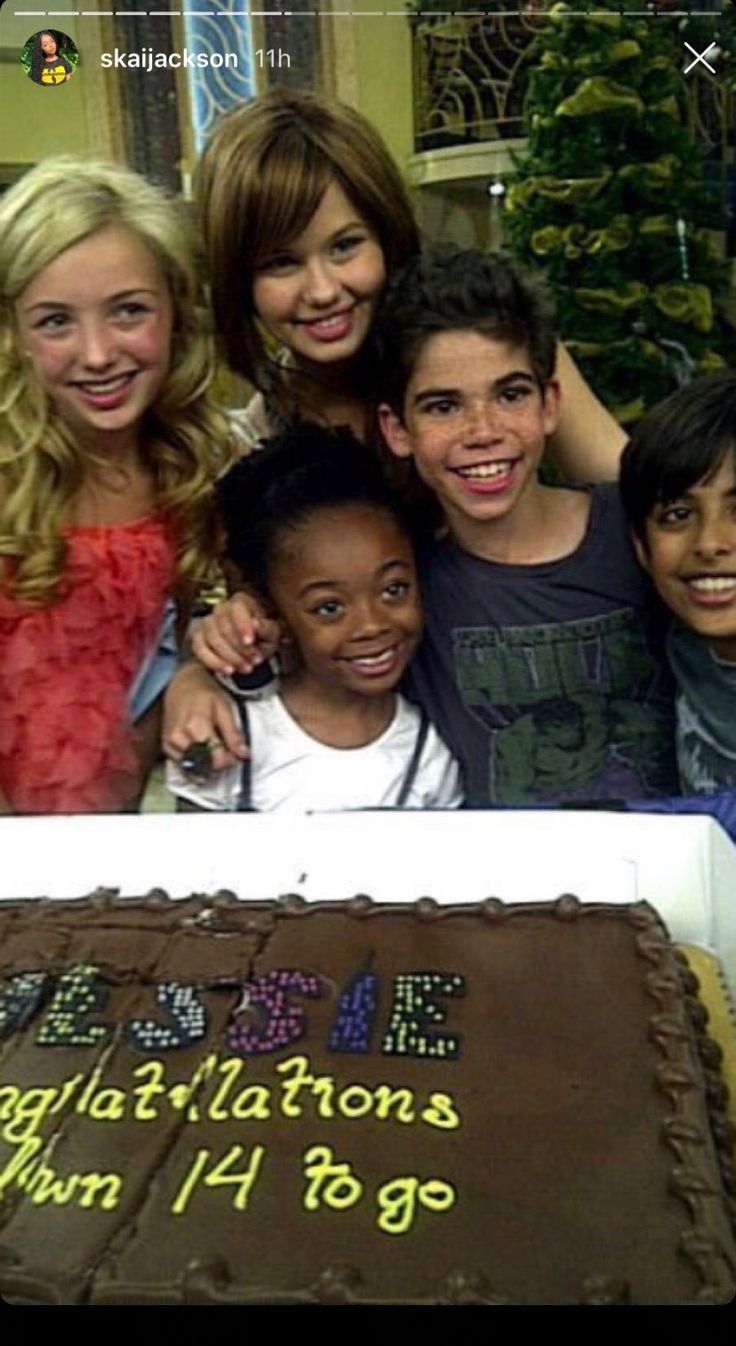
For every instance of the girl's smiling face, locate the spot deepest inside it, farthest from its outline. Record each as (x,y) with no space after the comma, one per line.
(48,45)
(344,585)
(96,324)
(318,293)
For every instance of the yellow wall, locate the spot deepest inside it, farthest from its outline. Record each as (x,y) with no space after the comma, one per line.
(368,65)
(80,116)
(370,60)
(35,121)
(384,64)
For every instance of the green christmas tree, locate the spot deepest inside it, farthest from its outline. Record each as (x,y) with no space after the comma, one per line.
(611,200)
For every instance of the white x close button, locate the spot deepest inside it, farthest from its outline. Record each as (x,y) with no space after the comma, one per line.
(700,57)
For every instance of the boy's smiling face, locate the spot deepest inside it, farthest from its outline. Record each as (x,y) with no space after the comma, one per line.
(690,554)
(475,422)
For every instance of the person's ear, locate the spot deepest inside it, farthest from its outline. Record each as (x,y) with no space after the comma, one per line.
(288,654)
(551,406)
(394,431)
(642,555)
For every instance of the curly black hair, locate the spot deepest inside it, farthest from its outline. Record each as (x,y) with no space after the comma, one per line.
(301,472)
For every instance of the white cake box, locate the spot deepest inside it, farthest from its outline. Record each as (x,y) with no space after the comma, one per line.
(685,866)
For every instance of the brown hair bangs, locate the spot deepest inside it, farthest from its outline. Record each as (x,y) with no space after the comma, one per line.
(285,191)
(260,181)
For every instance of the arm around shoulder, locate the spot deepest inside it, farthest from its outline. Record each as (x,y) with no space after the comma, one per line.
(198,710)
(588,442)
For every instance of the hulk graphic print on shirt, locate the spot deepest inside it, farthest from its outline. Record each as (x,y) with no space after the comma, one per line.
(569,711)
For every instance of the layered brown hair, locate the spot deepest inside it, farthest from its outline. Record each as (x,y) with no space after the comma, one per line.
(260,180)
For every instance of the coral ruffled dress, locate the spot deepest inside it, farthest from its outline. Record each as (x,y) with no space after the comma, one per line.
(66,744)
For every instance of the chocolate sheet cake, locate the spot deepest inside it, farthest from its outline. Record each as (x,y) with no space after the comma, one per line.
(208,1101)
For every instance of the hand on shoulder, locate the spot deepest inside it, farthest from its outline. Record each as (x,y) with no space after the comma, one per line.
(236,637)
(198,710)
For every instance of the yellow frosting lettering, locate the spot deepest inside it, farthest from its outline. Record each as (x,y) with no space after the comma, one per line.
(144,1110)
(16,1171)
(181,1200)
(332,1183)
(396,1203)
(108,1105)
(355,1101)
(110,1184)
(252,1102)
(183,1096)
(203,1072)
(301,1079)
(441,1112)
(28,1171)
(243,1181)
(437,1195)
(89,1090)
(400,1101)
(231,1069)
(9,1095)
(45,1186)
(323,1090)
(222,1175)
(28,1114)
(398,1200)
(66,1093)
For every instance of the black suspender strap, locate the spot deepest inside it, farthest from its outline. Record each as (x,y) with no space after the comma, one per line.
(413,767)
(244,804)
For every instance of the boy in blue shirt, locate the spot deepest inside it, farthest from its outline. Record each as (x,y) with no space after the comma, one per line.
(678,485)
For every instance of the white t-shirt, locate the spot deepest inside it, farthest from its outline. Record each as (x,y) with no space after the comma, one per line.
(292,771)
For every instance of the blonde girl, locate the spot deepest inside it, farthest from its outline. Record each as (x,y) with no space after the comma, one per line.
(109,448)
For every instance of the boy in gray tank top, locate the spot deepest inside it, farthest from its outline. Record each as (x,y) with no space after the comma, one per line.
(542,658)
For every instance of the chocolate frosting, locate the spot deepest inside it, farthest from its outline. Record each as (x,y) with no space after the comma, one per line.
(537,1071)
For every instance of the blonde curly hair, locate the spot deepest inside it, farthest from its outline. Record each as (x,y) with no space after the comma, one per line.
(54,206)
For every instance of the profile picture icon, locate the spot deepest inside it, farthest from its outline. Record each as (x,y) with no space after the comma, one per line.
(49,58)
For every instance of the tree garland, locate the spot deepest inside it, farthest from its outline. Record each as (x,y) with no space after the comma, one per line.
(612,199)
